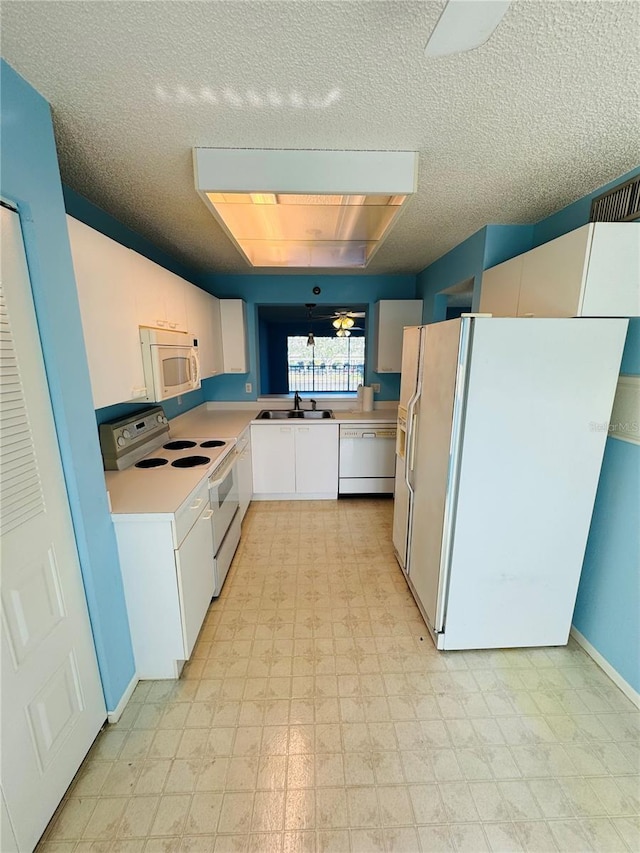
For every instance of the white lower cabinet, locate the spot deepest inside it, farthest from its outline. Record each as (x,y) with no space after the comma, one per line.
(168,575)
(195,586)
(244,469)
(295,461)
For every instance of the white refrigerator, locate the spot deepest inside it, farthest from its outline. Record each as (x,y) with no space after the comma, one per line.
(501,431)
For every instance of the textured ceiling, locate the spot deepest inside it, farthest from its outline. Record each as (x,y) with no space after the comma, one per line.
(543,113)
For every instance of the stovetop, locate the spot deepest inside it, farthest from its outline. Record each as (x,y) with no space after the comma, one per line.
(184,453)
(147,471)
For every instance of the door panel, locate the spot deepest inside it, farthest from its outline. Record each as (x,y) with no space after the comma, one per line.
(52,702)
(410,353)
(431,468)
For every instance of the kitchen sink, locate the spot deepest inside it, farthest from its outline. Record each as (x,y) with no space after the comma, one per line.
(302,414)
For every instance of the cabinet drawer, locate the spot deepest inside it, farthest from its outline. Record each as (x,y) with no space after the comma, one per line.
(189,512)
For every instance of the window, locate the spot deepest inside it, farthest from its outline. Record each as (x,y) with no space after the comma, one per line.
(332,364)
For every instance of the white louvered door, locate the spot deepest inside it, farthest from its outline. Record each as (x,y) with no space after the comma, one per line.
(52,701)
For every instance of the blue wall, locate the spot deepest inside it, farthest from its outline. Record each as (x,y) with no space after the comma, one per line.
(573,215)
(30,178)
(295,290)
(466,262)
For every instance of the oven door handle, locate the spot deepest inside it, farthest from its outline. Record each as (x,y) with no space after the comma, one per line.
(213,484)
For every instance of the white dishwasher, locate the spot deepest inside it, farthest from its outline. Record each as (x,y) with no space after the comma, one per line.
(367,459)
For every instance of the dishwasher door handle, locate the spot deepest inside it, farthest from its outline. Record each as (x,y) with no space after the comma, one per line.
(368,435)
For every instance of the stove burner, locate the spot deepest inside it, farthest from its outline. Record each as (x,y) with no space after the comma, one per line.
(213,444)
(156,462)
(179,445)
(191,461)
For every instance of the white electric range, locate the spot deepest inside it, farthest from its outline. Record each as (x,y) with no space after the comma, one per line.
(174,505)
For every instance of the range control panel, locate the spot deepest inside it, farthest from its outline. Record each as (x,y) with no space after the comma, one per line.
(133,436)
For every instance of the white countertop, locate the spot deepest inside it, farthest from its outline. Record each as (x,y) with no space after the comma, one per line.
(230,423)
(156,491)
(161,491)
(202,421)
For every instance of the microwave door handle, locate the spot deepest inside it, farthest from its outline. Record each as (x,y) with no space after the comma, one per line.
(196,369)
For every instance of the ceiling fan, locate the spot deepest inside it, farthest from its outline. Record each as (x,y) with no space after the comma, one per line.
(465,25)
(344,323)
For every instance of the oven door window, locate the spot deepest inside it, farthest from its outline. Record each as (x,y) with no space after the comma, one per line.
(225,488)
(176,371)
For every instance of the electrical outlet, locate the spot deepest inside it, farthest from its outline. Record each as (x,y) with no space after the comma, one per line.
(179,400)
(376,387)
(248,387)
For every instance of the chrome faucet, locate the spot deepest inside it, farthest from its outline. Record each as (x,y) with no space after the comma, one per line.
(313,405)
(296,402)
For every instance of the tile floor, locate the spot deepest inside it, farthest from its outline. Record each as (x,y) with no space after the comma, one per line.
(316,714)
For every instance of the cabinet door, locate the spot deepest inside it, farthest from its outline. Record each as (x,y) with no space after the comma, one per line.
(102,270)
(194,564)
(148,293)
(273,458)
(200,326)
(500,289)
(553,276)
(159,295)
(234,336)
(216,331)
(317,459)
(612,288)
(174,299)
(392,315)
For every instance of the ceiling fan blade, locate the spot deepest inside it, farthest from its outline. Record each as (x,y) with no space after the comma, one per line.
(465,25)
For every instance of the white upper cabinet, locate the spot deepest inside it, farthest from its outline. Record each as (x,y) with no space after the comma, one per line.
(203,322)
(160,295)
(108,309)
(234,335)
(391,316)
(593,271)
(501,288)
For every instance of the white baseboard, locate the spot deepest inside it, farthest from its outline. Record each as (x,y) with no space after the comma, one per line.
(604,664)
(114,716)
(294,496)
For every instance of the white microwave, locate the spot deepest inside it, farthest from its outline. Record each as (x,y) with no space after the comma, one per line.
(170,361)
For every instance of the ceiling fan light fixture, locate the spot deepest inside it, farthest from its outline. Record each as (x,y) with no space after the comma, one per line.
(343,322)
(343,333)
(295,208)
(311,340)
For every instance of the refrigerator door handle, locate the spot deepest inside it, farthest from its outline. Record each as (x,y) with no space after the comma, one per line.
(453,474)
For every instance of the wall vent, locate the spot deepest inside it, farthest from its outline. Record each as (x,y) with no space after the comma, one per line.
(621,204)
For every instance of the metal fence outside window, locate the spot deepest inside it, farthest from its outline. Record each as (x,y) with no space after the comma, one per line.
(307,376)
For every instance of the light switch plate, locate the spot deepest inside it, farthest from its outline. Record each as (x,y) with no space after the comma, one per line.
(248,387)
(376,387)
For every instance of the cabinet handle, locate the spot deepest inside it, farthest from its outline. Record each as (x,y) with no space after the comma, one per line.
(196,504)
(285,429)
(206,516)
(173,325)
(528,315)
(138,392)
(161,322)
(302,429)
